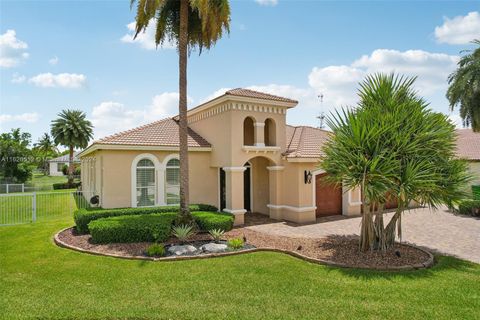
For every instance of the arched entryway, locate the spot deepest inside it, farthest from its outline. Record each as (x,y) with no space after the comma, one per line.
(256,186)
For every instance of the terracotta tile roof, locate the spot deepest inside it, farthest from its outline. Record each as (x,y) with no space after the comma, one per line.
(159,133)
(468,144)
(240,92)
(305,142)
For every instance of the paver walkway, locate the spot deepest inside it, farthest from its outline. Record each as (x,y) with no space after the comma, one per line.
(437,230)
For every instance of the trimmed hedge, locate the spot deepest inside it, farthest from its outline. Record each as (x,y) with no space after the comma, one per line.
(66,185)
(470,207)
(132,228)
(83,217)
(151,227)
(207,221)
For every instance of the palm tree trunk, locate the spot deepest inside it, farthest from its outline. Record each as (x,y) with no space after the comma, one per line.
(183,125)
(70,166)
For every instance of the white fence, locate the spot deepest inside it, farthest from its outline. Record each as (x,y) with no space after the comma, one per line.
(19,208)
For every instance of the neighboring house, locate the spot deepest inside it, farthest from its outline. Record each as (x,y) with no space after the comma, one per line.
(243,157)
(55,165)
(468,147)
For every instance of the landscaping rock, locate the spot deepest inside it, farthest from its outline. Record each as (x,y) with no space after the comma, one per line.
(181,250)
(214,247)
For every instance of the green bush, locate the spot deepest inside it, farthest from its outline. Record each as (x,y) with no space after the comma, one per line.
(132,228)
(235,243)
(83,217)
(476,192)
(213,220)
(469,207)
(155,250)
(66,185)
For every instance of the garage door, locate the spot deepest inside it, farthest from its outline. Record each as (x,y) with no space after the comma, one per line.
(328,198)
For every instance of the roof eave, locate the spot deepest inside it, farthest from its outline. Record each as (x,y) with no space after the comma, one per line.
(111,146)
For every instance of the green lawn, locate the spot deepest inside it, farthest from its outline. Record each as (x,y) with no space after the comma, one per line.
(40,280)
(41,180)
(18,207)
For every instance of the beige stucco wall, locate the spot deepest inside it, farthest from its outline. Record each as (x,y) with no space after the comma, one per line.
(225,132)
(114,177)
(260,185)
(474,167)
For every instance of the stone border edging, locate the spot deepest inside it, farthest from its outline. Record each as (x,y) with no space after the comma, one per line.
(429,263)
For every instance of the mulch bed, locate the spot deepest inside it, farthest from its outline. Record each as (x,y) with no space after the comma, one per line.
(336,250)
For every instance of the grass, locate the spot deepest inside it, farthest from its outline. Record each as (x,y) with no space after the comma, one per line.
(18,207)
(40,180)
(41,280)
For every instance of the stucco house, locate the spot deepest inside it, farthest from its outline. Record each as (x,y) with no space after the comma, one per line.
(243,158)
(468,148)
(55,165)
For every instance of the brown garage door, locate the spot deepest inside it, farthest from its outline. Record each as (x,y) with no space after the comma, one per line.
(328,198)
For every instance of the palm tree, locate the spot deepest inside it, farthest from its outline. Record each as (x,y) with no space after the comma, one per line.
(464,88)
(393,145)
(189,24)
(71,129)
(46,147)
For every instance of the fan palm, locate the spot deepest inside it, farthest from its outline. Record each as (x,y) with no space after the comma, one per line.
(464,89)
(393,145)
(46,147)
(189,24)
(71,129)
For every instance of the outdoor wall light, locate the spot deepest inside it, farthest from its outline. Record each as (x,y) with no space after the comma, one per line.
(308,177)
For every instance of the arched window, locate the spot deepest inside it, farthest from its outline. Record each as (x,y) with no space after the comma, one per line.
(172,182)
(145,183)
(248,132)
(270,133)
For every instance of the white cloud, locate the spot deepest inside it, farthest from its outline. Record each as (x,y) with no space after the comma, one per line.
(339,84)
(459,30)
(146,39)
(29,117)
(215,94)
(61,80)
(18,78)
(53,61)
(456,120)
(12,50)
(432,69)
(270,3)
(110,117)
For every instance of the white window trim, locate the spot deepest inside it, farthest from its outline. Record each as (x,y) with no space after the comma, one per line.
(164,177)
(158,169)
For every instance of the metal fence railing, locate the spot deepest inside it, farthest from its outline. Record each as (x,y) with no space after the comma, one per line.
(19,208)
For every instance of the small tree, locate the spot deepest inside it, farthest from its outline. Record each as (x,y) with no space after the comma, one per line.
(71,129)
(393,145)
(15,164)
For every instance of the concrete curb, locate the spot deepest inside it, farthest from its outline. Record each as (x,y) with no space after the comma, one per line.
(427,264)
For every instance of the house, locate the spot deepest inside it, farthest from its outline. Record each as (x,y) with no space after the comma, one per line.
(243,158)
(56,165)
(468,148)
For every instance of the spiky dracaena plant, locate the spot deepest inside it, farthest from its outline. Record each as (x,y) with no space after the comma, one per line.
(189,24)
(464,89)
(392,145)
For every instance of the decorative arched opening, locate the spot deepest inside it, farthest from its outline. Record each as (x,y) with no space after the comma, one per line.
(248,131)
(270,133)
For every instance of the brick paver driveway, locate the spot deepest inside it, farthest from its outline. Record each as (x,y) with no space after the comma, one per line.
(437,230)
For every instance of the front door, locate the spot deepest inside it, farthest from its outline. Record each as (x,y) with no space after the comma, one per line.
(246,189)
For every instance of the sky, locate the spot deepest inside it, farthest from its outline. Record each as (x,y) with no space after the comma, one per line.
(56,55)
